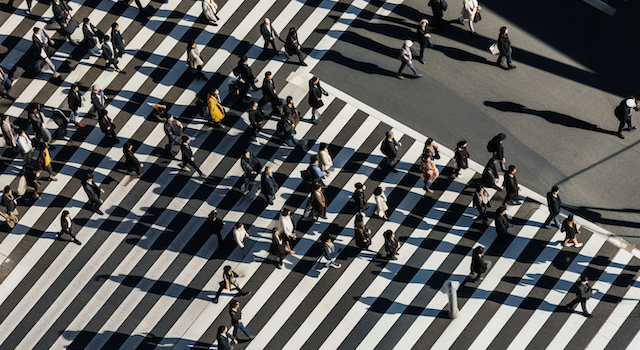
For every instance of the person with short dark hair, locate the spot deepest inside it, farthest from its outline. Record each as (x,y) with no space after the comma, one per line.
(286,226)
(92,36)
(246,75)
(504,46)
(215,225)
(256,121)
(269,95)
(225,340)
(107,126)
(317,174)
(228,279)
(132,163)
(329,252)
(389,148)
(359,199)
(292,45)
(497,151)
(554,203)
(10,202)
(239,234)
(490,176)
(391,245)
(188,157)
(74,100)
(236,319)
(478,265)
(324,157)
(318,203)
(194,60)
(481,203)
(502,223)
(173,130)
(570,228)
(216,110)
(117,39)
(98,101)
(36,118)
(381,203)
(44,160)
(93,191)
(436,7)
(65,223)
(279,247)
(25,146)
(110,54)
(269,185)
(461,156)
(315,98)
(251,168)
(512,187)
(62,15)
(362,234)
(583,293)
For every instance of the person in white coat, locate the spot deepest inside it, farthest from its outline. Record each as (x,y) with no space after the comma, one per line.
(239,234)
(210,10)
(324,157)
(194,60)
(381,203)
(286,225)
(469,10)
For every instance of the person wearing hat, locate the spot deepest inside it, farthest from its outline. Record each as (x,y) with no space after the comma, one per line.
(187,156)
(512,187)
(423,35)
(502,223)
(359,199)
(583,293)
(623,113)
(497,149)
(406,59)
(504,46)
(269,94)
(65,223)
(390,148)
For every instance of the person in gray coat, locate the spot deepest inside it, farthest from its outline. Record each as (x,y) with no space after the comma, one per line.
(226,341)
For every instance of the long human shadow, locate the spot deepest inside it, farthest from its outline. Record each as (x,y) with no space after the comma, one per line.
(550,116)
(597,218)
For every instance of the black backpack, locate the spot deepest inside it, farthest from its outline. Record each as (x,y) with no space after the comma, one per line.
(491,146)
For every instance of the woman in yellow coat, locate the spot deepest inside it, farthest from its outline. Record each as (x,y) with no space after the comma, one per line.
(216,110)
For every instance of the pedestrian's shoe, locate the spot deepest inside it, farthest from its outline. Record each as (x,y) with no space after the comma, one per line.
(77,242)
(513,66)
(214,300)
(632,128)
(245,293)
(400,76)
(99,212)
(587,315)
(568,244)
(303,64)
(335,265)
(620,135)
(418,75)
(579,245)
(546,227)
(185,168)
(421,60)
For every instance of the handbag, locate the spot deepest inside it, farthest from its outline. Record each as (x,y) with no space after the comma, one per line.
(494,48)
(477,17)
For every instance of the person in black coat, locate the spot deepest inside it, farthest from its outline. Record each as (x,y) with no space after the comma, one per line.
(623,113)
(512,187)
(286,129)
(109,53)
(93,192)
(391,245)
(74,100)
(133,164)
(497,150)
(502,223)
(10,202)
(65,223)
(504,46)
(269,94)
(390,148)
(315,98)
(583,293)
(461,156)
(269,185)
(226,341)
(358,198)
(98,101)
(92,36)
(187,156)
(251,168)
(269,34)
(292,45)
(423,36)
(554,203)
(36,118)
(107,126)
(362,234)
(279,247)
(215,225)
(436,8)
(42,42)
(62,15)
(570,228)
(256,120)
(489,176)
(246,75)
(478,265)
(117,39)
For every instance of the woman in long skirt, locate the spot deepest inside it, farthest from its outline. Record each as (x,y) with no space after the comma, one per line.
(210,8)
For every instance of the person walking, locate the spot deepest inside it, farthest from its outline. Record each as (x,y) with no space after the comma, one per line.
(44,161)
(292,45)
(269,94)
(502,223)
(228,279)
(285,128)
(93,191)
(110,54)
(279,247)
(481,203)
(570,228)
(316,173)
(291,113)
(287,227)
(429,170)
(43,50)
(245,73)
(362,234)
(107,126)
(469,12)
(389,148)
(130,160)
(318,203)
(324,157)
(10,132)
(117,39)
(29,173)
(512,187)
(194,60)
(478,265)
(236,319)
(98,101)
(269,187)
(359,199)
(256,121)
(461,156)
(216,110)
(329,252)
(391,245)
(210,10)
(437,9)
(25,146)
(406,60)
(554,203)
(583,293)
(215,225)
(239,234)
(315,98)
(62,15)
(423,36)
(92,37)
(251,168)
(269,34)
(65,223)
(10,202)
(187,156)
(490,176)
(225,340)
(623,113)
(173,130)
(381,203)
(504,46)
(74,100)
(496,148)
(36,118)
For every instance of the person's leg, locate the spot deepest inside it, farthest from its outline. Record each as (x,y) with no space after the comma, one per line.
(421,55)
(548,220)
(572,305)
(429,42)
(401,67)
(273,44)
(493,168)
(471,26)
(509,62)
(557,221)
(583,303)
(235,330)
(244,330)
(197,168)
(315,114)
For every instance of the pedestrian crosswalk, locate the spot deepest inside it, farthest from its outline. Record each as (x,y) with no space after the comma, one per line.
(147,270)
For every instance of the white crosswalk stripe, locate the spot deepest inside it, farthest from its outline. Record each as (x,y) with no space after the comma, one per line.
(148,269)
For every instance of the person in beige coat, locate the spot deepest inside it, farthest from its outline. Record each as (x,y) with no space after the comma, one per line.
(381,203)
(469,10)
(324,157)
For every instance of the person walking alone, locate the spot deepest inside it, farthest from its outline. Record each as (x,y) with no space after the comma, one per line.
(512,187)
(570,228)
(391,245)
(269,185)
(117,39)
(173,130)
(236,319)
(239,234)
(187,156)
(469,12)
(107,126)
(110,54)
(279,247)
(423,36)
(93,191)
(623,113)
(270,95)
(74,100)
(216,110)
(10,132)
(65,223)
(461,156)
(194,60)
(362,234)
(359,199)
(478,265)
(329,252)
(389,148)
(269,34)
(318,203)
(292,46)
(496,148)
(502,223)
(315,98)
(381,203)
(10,202)
(481,203)
(504,46)
(98,101)
(210,10)
(215,225)
(429,171)
(228,279)
(583,293)
(406,60)
(437,10)
(554,203)
(130,160)
(225,340)
(251,168)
